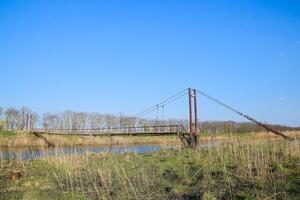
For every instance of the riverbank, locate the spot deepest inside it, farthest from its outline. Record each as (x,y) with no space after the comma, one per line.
(30,140)
(11,139)
(264,169)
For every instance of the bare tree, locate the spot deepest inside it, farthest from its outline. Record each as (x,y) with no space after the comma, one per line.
(110,121)
(96,121)
(67,119)
(51,121)
(125,121)
(80,119)
(11,116)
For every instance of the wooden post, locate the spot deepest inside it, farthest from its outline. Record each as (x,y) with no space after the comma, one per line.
(14,175)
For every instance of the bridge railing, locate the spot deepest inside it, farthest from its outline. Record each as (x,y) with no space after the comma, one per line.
(159,129)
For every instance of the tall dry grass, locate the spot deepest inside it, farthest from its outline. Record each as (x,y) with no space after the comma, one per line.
(113,140)
(21,139)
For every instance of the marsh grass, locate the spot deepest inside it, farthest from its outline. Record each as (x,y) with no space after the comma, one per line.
(236,169)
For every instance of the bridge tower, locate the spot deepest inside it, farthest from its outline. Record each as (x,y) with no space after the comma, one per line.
(193,124)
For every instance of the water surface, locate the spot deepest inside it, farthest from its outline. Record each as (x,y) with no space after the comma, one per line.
(29,153)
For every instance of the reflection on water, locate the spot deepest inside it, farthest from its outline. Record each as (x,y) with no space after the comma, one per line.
(29,153)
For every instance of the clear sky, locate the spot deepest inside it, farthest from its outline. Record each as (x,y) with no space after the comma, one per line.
(123,56)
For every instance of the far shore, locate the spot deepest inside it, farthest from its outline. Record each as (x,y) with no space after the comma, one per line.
(11,139)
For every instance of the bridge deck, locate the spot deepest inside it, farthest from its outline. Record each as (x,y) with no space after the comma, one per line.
(145,130)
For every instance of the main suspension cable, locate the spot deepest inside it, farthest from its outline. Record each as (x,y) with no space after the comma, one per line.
(157,105)
(160,105)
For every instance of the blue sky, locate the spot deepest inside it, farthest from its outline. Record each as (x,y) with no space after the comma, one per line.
(123,56)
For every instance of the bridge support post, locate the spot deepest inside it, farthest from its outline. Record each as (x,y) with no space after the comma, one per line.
(30,123)
(191,115)
(26,122)
(196,119)
(193,126)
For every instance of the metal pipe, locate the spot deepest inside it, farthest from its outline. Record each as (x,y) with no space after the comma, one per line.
(196,119)
(190,111)
(30,123)
(26,122)
(195,112)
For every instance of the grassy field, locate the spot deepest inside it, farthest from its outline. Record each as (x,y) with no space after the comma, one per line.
(237,169)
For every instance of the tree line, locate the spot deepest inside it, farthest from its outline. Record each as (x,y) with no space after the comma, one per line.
(13,119)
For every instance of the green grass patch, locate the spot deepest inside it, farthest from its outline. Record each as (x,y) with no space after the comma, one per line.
(7,133)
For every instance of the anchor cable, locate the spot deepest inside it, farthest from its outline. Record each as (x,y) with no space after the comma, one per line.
(244,115)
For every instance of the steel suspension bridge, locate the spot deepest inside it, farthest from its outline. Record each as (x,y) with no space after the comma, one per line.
(188,135)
